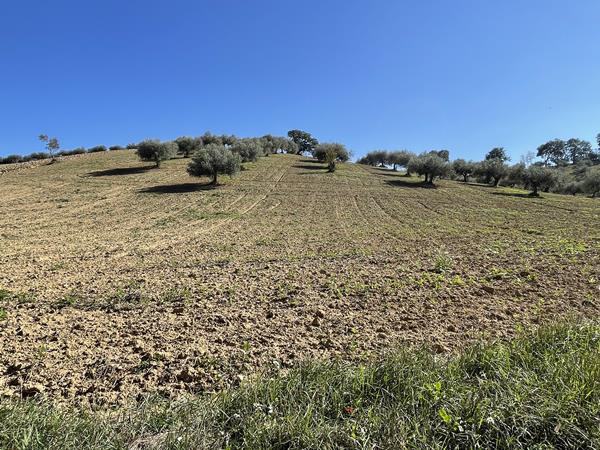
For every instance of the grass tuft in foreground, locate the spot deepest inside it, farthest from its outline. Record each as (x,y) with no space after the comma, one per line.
(542,390)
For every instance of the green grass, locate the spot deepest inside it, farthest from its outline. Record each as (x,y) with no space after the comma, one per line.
(541,390)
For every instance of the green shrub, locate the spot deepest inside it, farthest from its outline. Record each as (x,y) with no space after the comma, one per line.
(116,147)
(76,151)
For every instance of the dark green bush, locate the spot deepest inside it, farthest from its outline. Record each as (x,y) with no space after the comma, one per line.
(591,182)
(39,155)
(97,149)
(11,159)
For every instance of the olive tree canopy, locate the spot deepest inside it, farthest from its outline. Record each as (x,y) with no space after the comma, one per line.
(154,150)
(212,160)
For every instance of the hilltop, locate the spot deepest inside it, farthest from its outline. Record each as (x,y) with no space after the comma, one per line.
(118,279)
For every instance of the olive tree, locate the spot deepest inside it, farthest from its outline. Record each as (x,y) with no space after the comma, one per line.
(429,165)
(444,154)
(154,150)
(270,144)
(209,138)
(366,160)
(463,168)
(591,182)
(573,188)
(249,149)
(188,145)
(538,177)
(212,160)
(399,158)
(515,174)
(331,153)
(51,145)
(491,170)
(276,144)
(379,157)
(228,139)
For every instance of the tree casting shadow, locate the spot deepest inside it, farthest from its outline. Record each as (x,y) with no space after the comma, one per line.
(119,171)
(177,188)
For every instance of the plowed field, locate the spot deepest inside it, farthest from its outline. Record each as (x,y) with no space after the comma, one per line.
(117,280)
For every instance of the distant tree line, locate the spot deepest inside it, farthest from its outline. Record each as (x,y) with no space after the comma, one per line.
(566,167)
(52,153)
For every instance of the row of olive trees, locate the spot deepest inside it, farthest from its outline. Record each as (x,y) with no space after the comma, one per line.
(430,165)
(211,158)
(494,170)
(581,178)
(212,155)
(52,151)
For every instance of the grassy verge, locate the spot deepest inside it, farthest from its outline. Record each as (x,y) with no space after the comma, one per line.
(542,390)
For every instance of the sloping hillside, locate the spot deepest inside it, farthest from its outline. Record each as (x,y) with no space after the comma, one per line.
(118,279)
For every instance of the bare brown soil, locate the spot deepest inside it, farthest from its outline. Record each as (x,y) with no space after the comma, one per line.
(117,280)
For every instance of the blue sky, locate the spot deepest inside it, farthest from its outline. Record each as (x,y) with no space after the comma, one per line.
(465,75)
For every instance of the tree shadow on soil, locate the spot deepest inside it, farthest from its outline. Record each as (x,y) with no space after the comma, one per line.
(177,188)
(310,166)
(119,171)
(518,195)
(410,184)
(479,185)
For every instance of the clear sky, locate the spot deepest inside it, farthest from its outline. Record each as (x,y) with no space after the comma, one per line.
(465,75)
